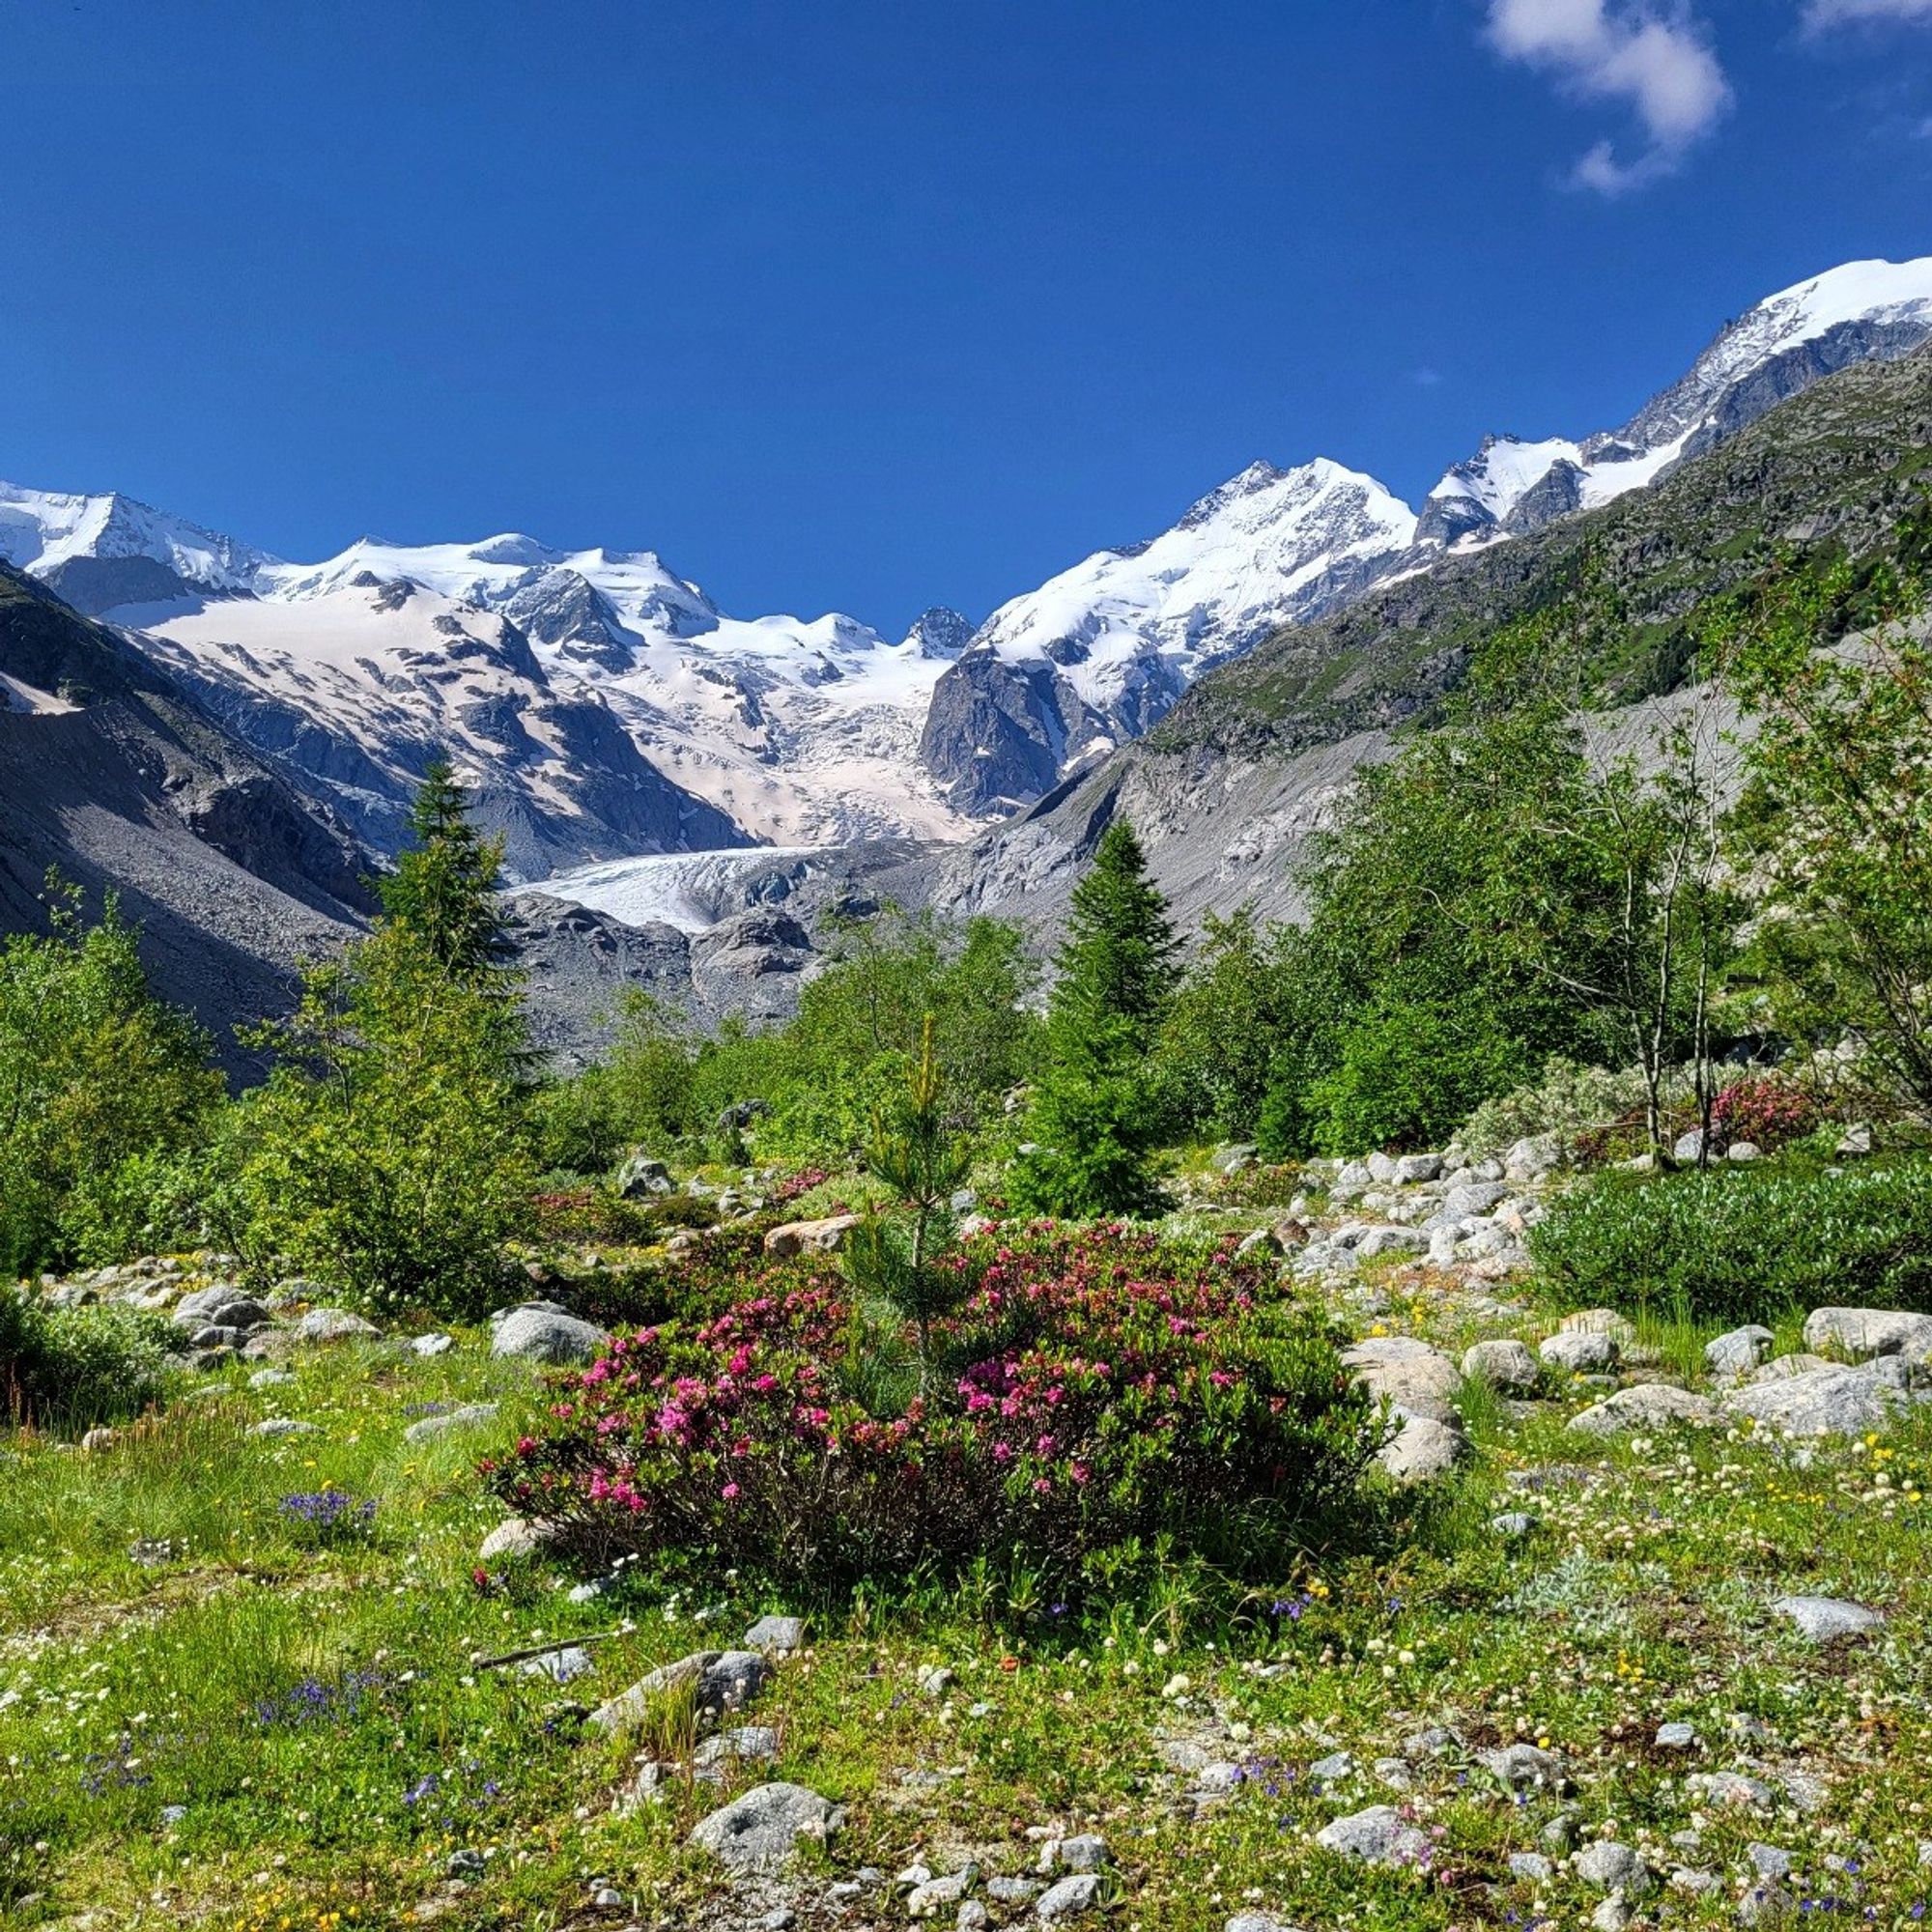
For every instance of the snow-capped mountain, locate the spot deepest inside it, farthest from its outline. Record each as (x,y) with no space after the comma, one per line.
(1095,655)
(606,708)
(602,704)
(1790,340)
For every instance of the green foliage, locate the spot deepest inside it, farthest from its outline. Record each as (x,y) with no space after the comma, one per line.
(900,1257)
(70,1367)
(643,1093)
(1095,1112)
(386,1151)
(1406,1070)
(443,887)
(1837,819)
(1223,1030)
(96,1074)
(1745,1243)
(1568,1099)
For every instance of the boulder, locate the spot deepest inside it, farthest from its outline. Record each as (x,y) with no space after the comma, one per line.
(642,1178)
(1648,1405)
(222,1306)
(1611,1868)
(1737,1354)
(1826,1619)
(811,1237)
(765,1827)
(721,1679)
(1579,1352)
(517,1536)
(1412,1168)
(1381,1836)
(1502,1365)
(1416,1378)
(1523,1768)
(1422,1449)
(334,1325)
(1600,1322)
(542,1332)
(1743,1152)
(1828,1400)
(471,1415)
(1071,1897)
(1861,1333)
(1533,1156)
(776,1633)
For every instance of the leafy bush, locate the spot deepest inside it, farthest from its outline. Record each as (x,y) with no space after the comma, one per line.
(95,1075)
(1767,1110)
(1405,1074)
(1569,1100)
(1100,1394)
(1745,1243)
(73,1367)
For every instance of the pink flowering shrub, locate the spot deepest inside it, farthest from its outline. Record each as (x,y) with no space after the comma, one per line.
(1766,1110)
(1097,1391)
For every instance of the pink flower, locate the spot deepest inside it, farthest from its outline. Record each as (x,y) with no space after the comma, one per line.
(729,1493)
(1003,1451)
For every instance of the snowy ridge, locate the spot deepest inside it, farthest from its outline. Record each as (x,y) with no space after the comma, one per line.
(1788,340)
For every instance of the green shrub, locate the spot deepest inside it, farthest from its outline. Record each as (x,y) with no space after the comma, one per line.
(1407,1073)
(1745,1243)
(1569,1100)
(69,1368)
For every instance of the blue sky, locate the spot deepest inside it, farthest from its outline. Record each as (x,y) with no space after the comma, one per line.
(869,305)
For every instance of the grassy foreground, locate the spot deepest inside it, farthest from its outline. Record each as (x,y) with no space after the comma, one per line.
(215,1709)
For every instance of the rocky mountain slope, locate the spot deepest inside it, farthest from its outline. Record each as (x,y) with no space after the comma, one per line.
(1226,789)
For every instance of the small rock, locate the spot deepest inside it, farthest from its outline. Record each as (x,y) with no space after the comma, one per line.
(1011,1891)
(1411,1168)
(1829,1399)
(1824,1619)
(607,1898)
(1532,1866)
(559,1665)
(471,1415)
(515,1537)
(427,1346)
(1070,1898)
(1648,1405)
(1381,1836)
(269,1378)
(1767,1905)
(934,1679)
(1503,1365)
(1769,1861)
(641,1177)
(973,1916)
(96,1441)
(1743,1152)
(1677,1737)
(282,1425)
(1084,1852)
(811,1237)
(465,1863)
(1422,1449)
(1582,1352)
(1257,1921)
(1515,1524)
(763,1828)
(1611,1868)
(1332,1769)
(1730,1787)
(1518,1767)
(722,1680)
(334,1325)
(1613,1914)
(776,1633)
(544,1334)
(1739,1352)
(1861,1333)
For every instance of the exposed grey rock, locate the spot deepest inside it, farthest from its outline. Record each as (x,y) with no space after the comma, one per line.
(1611,1868)
(1381,1836)
(222,1305)
(560,1665)
(1502,1365)
(1082,1851)
(1648,1405)
(765,1827)
(1422,1449)
(1730,1787)
(282,1425)
(1332,1769)
(544,1334)
(1769,1861)
(1782,1368)
(1740,1352)
(517,1536)
(1411,1168)
(720,1681)
(1532,1865)
(776,1633)
(1600,1322)
(1829,1401)
(1533,1156)
(1826,1619)
(1860,1333)
(334,1325)
(471,1415)
(264,1379)
(1071,1897)
(1408,1373)
(1767,1905)
(1515,1524)
(641,1177)
(429,1346)
(1677,1737)
(1743,1152)
(1522,1767)
(1579,1352)
(1257,1921)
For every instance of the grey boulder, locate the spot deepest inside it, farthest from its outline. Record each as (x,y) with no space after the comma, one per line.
(1502,1365)
(1579,1352)
(542,1332)
(765,1827)
(1648,1405)
(334,1325)
(1827,1401)
(471,1415)
(1824,1619)
(720,1681)
(1737,1354)
(1381,1836)
(1862,1333)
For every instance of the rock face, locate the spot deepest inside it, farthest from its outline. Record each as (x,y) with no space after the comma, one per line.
(766,1826)
(543,1333)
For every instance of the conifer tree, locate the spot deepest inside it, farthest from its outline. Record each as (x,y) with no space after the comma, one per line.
(444,888)
(1094,1114)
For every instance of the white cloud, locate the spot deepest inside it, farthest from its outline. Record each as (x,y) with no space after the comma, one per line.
(1821,14)
(1651,57)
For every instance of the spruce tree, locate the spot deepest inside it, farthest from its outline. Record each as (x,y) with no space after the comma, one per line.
(444,888)
(1095,1112)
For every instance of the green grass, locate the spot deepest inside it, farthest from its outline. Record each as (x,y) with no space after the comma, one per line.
(1642,1598)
